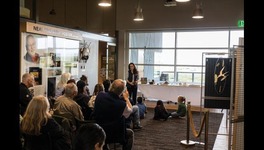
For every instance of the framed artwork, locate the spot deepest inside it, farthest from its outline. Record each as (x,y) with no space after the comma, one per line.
(218,82)
(37,72)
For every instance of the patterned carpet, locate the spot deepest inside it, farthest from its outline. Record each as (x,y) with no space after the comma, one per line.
(167,135)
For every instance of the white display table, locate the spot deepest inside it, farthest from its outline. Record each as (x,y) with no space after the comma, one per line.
(171,92)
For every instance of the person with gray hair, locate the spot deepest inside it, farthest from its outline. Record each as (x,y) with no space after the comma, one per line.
(25,94)
(66,107)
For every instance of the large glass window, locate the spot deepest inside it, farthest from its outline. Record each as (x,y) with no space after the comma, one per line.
(178,56)
(152,56)
(198,39)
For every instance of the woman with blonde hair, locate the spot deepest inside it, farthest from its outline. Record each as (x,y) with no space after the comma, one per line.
(62,83)
(182,110)
(39,130)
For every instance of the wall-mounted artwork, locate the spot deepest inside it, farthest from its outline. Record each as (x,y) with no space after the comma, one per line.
(84,51)
(218,83)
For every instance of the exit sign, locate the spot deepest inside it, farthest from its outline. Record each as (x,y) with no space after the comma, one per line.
(240,23)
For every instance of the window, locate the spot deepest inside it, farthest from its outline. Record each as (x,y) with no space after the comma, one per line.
(178,55)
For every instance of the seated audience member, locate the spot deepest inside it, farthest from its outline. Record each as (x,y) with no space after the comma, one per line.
(107,84)
(97,88)
(69,81)
(134,117)
(66,107)
(25,94)
(89,136)
(40,130)
(181,111)
(85,80)
(83,99)
(160,112)
(109,109)
(142,107)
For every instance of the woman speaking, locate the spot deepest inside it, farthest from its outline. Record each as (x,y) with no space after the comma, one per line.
(132,81)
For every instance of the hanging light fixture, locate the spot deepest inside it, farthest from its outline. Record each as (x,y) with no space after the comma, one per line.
(182,0)
(198,12)
(105,3)
(52,11)
(138,13)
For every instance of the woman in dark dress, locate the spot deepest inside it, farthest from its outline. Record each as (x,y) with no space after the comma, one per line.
(132,82)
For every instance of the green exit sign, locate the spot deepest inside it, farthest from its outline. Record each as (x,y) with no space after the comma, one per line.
(240,23)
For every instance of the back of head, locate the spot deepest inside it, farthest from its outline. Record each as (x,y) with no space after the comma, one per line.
(71,81)
(83,77)
(36,115)
(64,78)
(118,86)
(98,88)
(139,100)
(107,84)
(80,85)
(88,135)
(181,99)
(159,102)
(70,90)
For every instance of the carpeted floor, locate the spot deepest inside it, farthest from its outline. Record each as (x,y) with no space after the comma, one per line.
(167,135)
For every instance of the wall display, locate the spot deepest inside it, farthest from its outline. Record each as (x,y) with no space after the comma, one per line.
(218,83)
(84,51)
(47,57)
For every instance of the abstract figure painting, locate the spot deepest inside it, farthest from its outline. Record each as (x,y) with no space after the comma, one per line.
(218,82)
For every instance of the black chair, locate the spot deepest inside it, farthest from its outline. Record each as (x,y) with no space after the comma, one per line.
(51,102)
(64,122)
(81,122)
(115,132)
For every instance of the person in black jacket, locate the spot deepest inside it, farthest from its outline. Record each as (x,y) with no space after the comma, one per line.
(40,131)
(110,110)
(82,99)
(25,94)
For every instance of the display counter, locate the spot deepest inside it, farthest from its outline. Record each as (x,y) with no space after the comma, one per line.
(171,92)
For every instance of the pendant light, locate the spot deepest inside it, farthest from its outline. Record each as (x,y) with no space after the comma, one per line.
(138,13)
(198,12)
(105,3)
(52,11)
(182,0)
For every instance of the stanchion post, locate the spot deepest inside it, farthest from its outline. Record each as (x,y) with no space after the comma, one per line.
(188,141)
(206,130)
(188,123)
